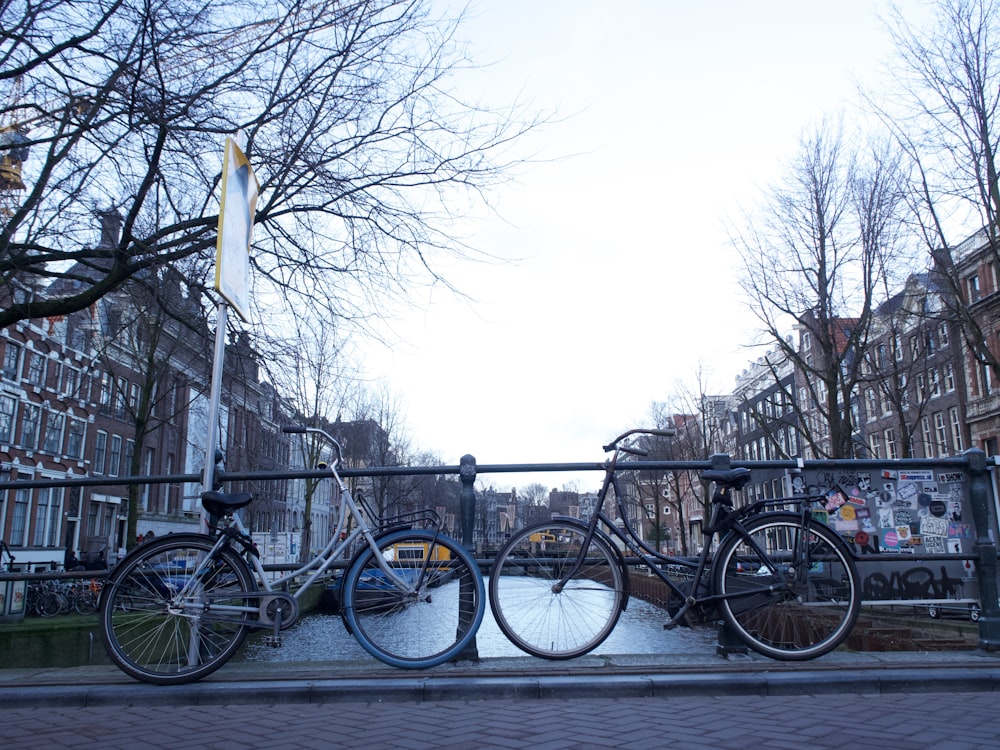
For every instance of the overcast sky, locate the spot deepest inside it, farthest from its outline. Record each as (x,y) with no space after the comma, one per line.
(678,114)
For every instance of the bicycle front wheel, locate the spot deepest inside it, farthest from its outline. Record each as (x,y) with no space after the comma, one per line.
(786,594)
(171,612)
(85,602)
(433,619)
(52,603)
(538,608)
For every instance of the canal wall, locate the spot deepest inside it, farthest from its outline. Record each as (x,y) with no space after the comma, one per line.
(73,640)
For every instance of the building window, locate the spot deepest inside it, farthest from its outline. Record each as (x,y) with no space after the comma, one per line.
(875,445)
(54,525)
(19,523)
(949,377)
(120,396)
(940,433)
(148,494)
(127,458)
(11,358)
(935,383)
(53,432)
(884,400)
(74,438)
(943,334)
(115,455)
(41,516)
(8,417)
(104,398)
(925,426)
(872,403)
(100,451)
(972,285)
(891,449)
(30,423)
(173,506)
(36,369)
(71,382)
(897,347)
(956,431)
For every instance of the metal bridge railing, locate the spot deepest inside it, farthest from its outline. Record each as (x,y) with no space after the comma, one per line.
(973,463)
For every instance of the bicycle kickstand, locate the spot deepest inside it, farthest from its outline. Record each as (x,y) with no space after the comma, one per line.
(274,638)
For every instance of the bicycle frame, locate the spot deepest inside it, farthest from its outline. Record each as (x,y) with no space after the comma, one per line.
(724,521)
(233,529)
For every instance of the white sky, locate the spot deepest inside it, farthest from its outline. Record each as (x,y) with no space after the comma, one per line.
(680,113)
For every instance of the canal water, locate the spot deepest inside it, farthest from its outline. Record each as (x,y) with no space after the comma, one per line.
(322,637)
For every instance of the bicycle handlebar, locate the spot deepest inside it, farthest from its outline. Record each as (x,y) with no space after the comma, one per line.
(613,445)
(294,429)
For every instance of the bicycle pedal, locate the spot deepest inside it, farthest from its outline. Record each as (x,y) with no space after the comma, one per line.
(273,641)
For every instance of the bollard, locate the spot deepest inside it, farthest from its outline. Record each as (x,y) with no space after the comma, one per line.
(986,551)
(467,508)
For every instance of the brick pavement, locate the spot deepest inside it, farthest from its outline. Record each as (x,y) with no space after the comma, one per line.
(945,701)
(902,721)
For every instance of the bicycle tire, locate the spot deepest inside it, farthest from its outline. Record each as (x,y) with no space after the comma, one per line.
(51,603)
(429,626)
(542,621)
(156,617)
(85,602)
(783,614)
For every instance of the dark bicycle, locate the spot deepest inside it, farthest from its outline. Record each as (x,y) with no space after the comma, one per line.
(785,583)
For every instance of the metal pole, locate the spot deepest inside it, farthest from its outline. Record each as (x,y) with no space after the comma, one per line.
(215,395)
(986,550)
(467,508)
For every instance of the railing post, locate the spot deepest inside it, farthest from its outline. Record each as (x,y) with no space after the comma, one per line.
(467,503)
(726,641)
(986,551)
(467,511)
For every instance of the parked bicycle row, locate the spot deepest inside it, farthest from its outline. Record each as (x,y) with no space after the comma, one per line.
(51,598)
(178,607)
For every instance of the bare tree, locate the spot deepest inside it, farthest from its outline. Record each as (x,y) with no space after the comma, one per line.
(390,495)
(699,433)
(815,256)
(533,505)
(942,108)
(158,335)
(312,372)
(360,141)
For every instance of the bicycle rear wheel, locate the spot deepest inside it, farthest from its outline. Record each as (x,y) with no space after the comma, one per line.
(542,617)
(777,606)
(161,610)
(427,625)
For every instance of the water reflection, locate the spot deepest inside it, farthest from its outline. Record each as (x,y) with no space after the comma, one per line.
(322,637)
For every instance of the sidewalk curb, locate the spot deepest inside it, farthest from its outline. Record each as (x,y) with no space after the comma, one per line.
(524,687)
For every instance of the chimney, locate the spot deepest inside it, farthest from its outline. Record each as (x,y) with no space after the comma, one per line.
(111,228)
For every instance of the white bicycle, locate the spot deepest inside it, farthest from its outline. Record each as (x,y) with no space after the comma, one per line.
(178,607)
